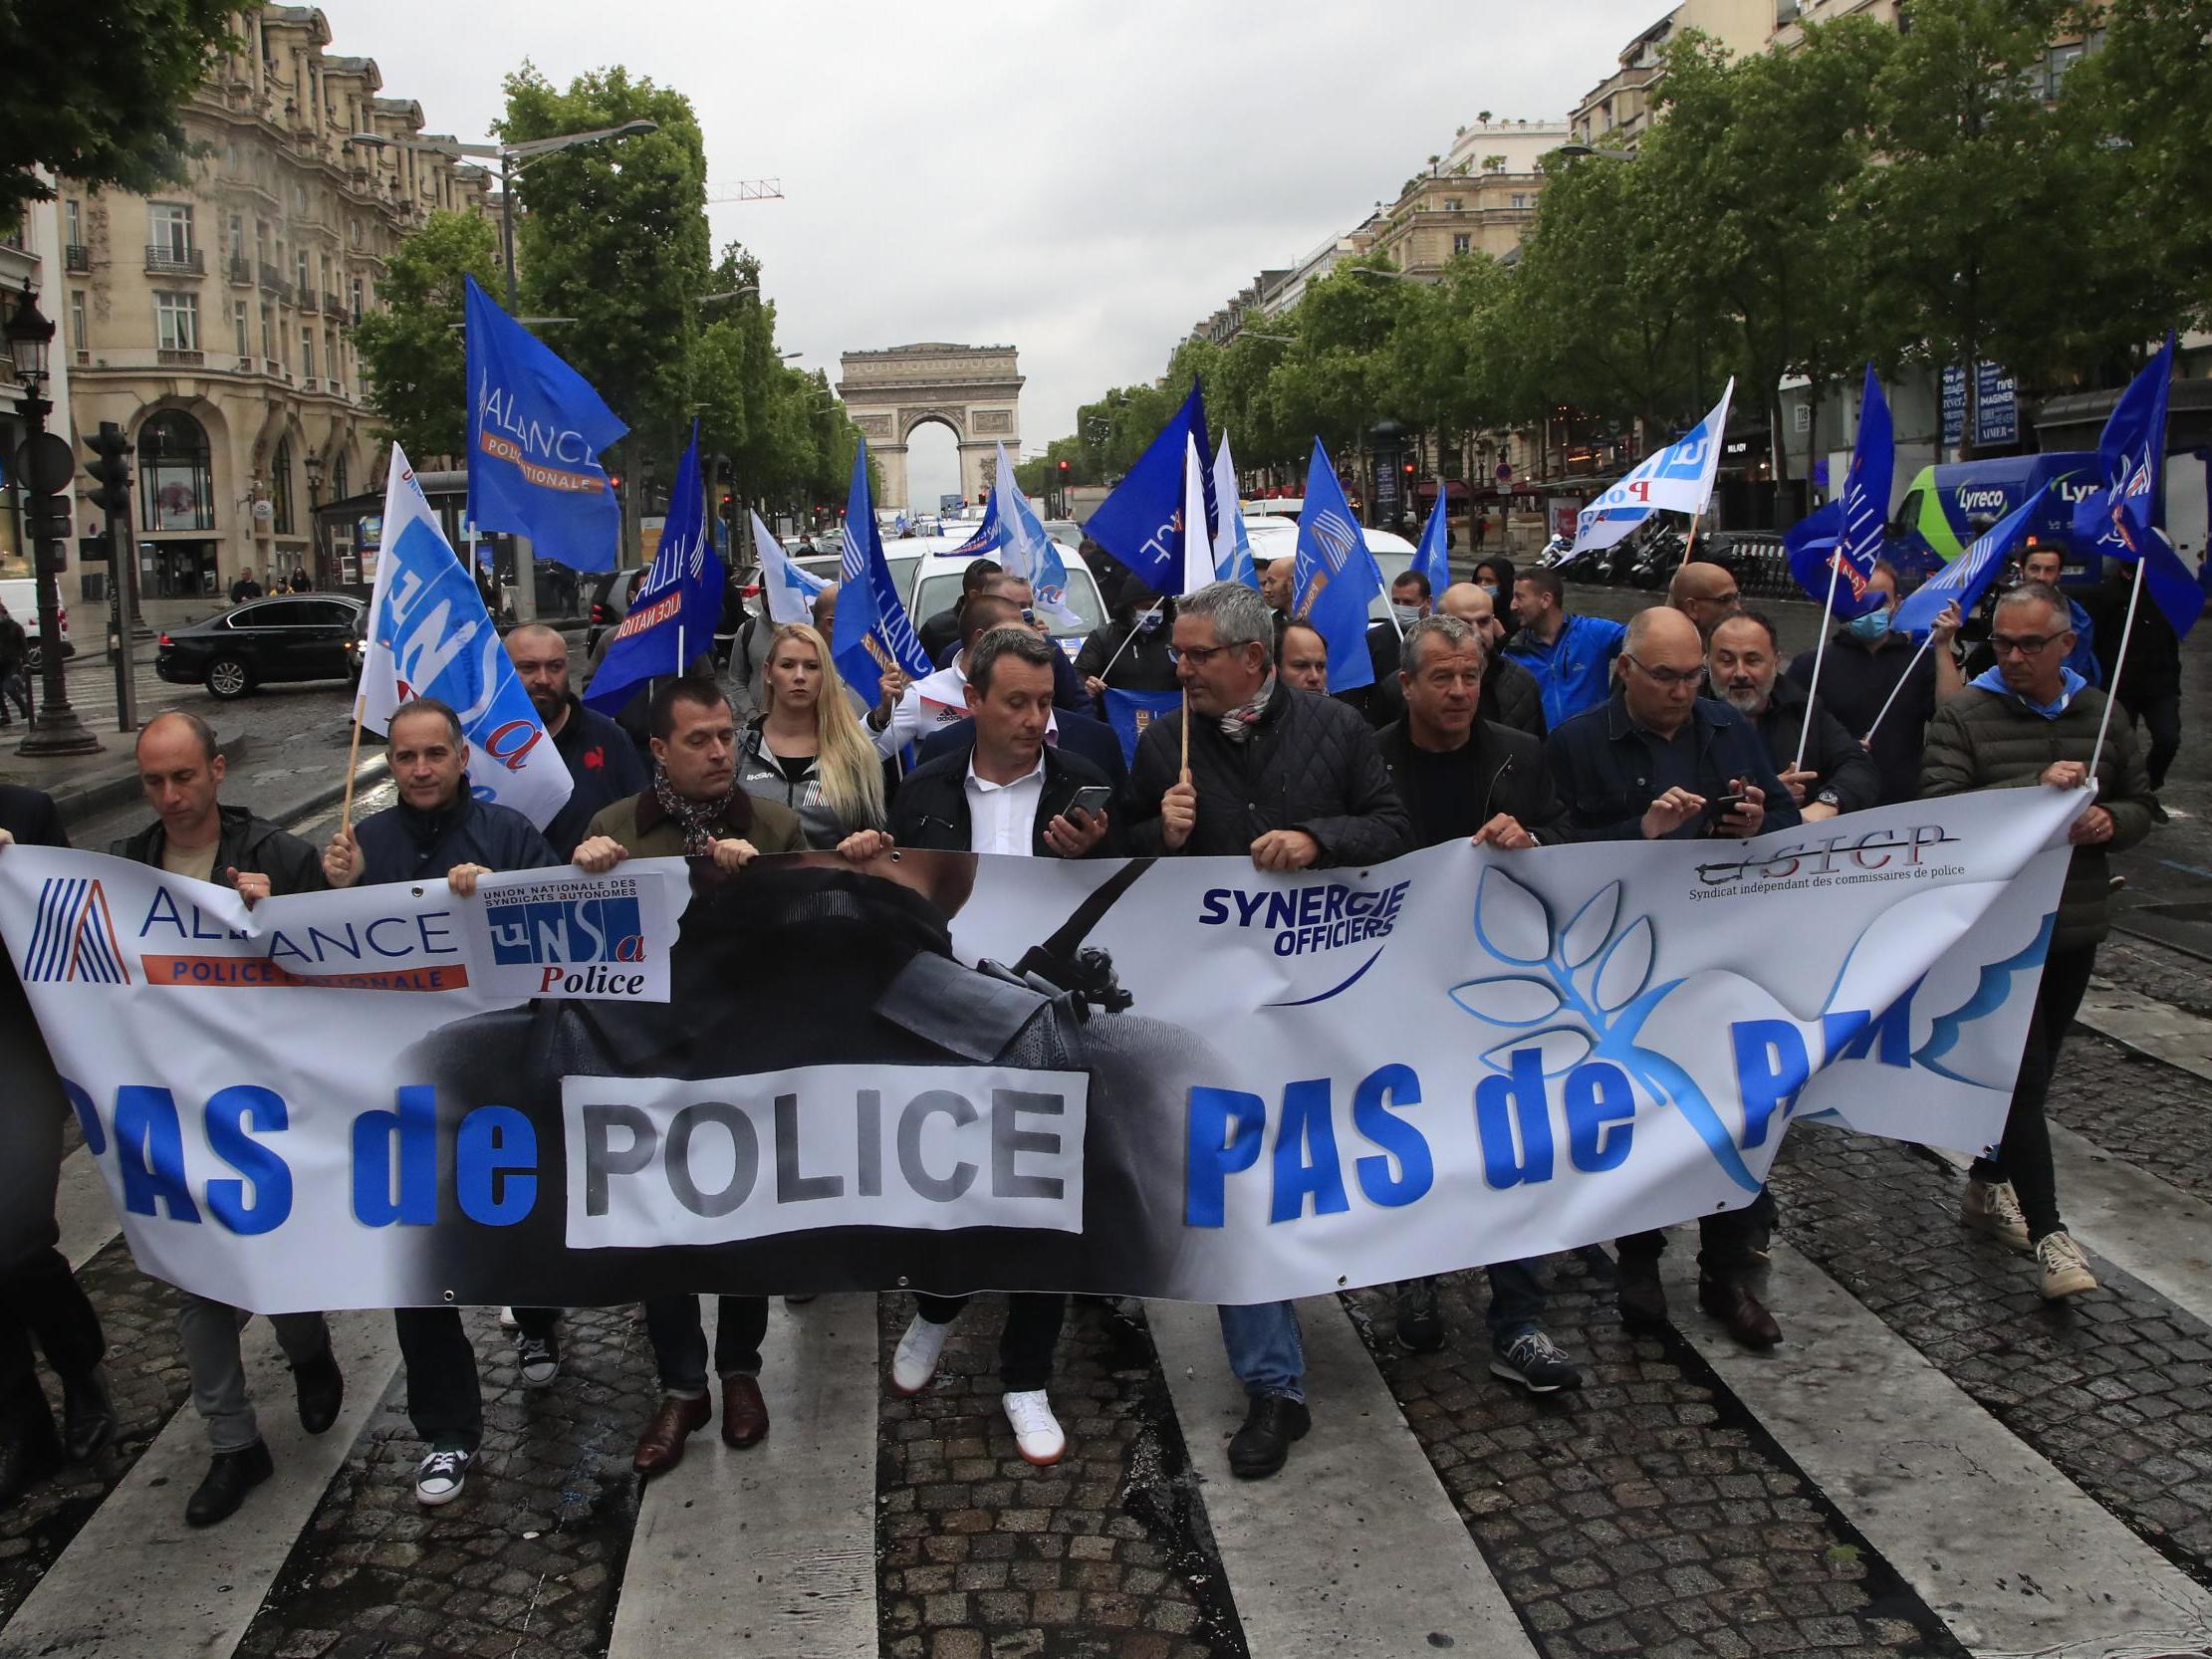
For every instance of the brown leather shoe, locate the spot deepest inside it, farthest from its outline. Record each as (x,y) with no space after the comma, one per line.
(744,1412)
(1730,1301)
(660,1447)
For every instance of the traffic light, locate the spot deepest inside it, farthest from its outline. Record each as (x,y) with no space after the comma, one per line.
(1063,470)
(1410,469)
(726,504)
(110,468)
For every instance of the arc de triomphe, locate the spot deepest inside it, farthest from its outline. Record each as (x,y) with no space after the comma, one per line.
(974,390)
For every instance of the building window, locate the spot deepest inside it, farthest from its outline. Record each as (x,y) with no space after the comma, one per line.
(352,232)
(76,336)
(280,488)
(175,487)
(298,270)
(269,333)
(241,325)
(357,299)
(338,485)
(1454,205)
(176,321)
(1520,201)
(306,353)
(72,223)
(299,201)
(172,229)
(1463,243)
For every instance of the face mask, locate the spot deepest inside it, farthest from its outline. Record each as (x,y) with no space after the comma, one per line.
(1148,621)
(1872,625)
(1408,614)
(1491,588)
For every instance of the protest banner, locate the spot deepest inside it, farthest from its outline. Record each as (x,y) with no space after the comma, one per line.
(1249,1087)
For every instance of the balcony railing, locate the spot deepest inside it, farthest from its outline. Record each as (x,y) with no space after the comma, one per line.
(77,257)
(168,259)
(307,300)
(335,309)
(272,282)
(170,356)
(240,269)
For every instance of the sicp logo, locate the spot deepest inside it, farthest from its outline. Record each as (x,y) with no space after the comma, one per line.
(600,928)
(73,938)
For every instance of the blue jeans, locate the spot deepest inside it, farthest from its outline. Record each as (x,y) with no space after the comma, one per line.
(1516,1301)
(1265,1348)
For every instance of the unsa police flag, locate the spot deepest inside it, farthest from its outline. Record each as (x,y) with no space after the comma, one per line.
(429,635)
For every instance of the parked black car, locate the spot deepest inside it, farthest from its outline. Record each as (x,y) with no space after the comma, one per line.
(303,637)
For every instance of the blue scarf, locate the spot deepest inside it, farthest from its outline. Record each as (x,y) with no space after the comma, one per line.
(2069,686)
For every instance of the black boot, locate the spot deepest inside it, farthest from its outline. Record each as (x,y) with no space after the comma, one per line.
(30,1450)
(1262,1445)
(1420,1321)
(321,1389)
(88,1413)
(230,1475)
(1642,1297)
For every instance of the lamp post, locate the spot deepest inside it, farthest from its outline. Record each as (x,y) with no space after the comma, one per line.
(514,160)
(48,465)
(314,465)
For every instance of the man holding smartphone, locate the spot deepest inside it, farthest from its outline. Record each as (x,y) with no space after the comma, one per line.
(1657,761)
(1012,793)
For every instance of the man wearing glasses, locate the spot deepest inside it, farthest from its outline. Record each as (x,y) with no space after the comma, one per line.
(2033,720)
(1656,761)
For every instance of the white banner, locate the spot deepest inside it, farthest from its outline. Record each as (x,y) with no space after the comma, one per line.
(1679,478)
(1246,1087)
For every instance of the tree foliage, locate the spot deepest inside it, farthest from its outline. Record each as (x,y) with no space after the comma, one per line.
(413,350)
(94,90)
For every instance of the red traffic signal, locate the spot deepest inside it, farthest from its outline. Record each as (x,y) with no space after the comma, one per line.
(1410,469)
(1064,467)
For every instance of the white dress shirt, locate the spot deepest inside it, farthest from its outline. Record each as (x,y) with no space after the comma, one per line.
(930,704)
(1001,818)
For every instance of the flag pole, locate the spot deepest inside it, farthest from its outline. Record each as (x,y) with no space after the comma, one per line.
(1689,549)
(2120,662)
(1129,638)
(1898,687)
(1819,651)
(1185,776)
(352,760)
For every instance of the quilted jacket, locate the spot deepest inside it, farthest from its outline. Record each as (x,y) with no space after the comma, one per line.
(1311,764)
(1984,739)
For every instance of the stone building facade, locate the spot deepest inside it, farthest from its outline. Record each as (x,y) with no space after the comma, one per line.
(213,321)
(975,390)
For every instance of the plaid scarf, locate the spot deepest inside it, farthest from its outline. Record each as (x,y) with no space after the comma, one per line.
(1237,723)
(698,819)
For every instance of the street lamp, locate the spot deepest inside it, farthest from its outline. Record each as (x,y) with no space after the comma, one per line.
(514,159)
(314,465)
(48,465)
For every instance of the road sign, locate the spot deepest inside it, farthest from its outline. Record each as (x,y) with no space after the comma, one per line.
(44,464)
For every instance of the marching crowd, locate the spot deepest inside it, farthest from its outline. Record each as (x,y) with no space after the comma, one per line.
(1497,715)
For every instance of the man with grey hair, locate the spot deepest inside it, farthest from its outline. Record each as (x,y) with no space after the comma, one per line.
(1294,781)
(2033,720)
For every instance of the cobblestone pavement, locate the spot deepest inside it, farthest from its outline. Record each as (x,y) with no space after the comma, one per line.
(1647,1512)
(2152,1114)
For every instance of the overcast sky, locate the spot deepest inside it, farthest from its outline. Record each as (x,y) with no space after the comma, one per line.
(1083,181)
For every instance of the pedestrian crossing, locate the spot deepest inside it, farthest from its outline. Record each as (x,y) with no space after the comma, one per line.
(1359,1547)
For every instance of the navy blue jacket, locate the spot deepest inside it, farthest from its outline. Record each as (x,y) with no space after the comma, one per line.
(603,763)
(1602,769)
(1079,733)
(402,844)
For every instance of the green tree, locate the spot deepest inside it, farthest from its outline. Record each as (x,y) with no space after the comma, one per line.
(1338,379)
(94,90)
(412,350)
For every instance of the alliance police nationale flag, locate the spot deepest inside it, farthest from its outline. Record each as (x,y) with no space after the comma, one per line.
(1676,479)
(1142,522)
(873,631)
(1834,549)
(429,635)
(1964,579)
(2120,518)
(1337,575)
(788,590)
(536,429)
(672,618)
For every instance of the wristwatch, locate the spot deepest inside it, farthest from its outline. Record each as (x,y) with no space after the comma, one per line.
(1828,798)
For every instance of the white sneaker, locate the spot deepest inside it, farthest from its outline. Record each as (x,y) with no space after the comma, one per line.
(916,1363)
(1993,1207)
(1037,1431)
(438,1478)
(507,1319)
(2066,1271)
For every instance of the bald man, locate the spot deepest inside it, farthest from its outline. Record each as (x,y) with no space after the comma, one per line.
(1706,594)
(1509,694)
(603,763)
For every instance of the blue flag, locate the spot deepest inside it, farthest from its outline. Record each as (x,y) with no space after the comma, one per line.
(1431,559)
(535,432)
(1129,712)
(1142,522)
(873,631)
(1337,575)
(2120,520)
(1232,544)
(1965,577)
(1845,537)
(678,604)
(984,542)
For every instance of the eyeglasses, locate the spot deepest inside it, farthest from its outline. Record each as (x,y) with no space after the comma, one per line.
(1667,677)
(2033,646)
(1196,655)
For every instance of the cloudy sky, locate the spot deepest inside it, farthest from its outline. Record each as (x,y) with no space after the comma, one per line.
(1082,180)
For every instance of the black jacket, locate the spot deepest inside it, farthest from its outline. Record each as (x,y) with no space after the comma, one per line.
(931,810)
(1602,769)
(603,763)
(400,843)
(1311,764)
(1844,767)
(246,844)
(1856,682)
(1509,694)
(1508,767)
(31,1126)
(1144,664)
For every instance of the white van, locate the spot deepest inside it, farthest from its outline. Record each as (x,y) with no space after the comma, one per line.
(20,595)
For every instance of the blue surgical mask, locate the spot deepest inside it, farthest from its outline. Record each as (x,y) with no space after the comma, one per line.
(1873,625)
(1491,588)
(1406,615)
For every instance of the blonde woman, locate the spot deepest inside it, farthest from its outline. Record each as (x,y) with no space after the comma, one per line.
(806,749)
